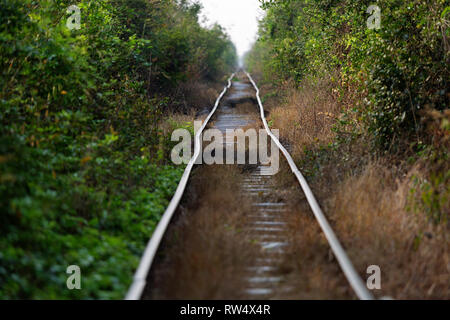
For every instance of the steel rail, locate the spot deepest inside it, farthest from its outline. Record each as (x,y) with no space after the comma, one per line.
(346,265)
(140,277)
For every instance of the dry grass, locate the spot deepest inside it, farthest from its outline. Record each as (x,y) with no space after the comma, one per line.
(205,249)
(174,120)
(367,199)
(198,95)
(370,216)
(306,118)
(310,267)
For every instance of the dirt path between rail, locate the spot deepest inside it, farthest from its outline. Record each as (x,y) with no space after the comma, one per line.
(240,233)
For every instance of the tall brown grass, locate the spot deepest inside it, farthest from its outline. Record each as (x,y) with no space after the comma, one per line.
(373,201)
(308,264)
(306,117)
(197,95)
(371,216)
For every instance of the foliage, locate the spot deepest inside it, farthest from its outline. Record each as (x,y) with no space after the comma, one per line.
(401,68)
(83,175)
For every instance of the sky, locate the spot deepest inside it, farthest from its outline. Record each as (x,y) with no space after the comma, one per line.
(238,17)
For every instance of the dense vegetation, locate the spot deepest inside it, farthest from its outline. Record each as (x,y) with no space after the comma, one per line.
(83,170)
(402,68)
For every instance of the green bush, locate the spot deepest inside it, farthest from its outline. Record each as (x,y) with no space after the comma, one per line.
(401,68)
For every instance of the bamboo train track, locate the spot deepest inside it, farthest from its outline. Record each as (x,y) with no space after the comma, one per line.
(267,221)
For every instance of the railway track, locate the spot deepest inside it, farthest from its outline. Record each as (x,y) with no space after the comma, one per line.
(267,222)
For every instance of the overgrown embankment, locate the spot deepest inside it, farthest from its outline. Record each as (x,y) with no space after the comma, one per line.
(85,123)
(365,112)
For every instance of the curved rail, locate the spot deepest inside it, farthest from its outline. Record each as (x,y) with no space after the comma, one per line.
(346,265)
(140,277)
